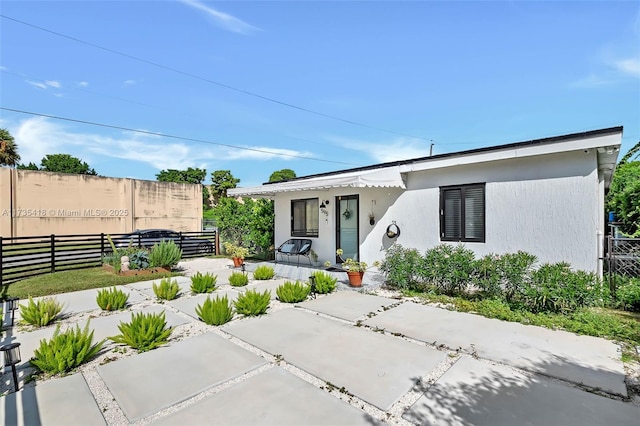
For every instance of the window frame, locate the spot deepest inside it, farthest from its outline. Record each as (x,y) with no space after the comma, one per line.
(306,232)
(463,189)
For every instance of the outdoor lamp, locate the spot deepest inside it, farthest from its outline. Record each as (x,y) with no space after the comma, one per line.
(242,266)
(12,304)
(12,357)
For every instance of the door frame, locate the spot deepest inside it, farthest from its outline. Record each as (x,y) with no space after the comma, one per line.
(337,200)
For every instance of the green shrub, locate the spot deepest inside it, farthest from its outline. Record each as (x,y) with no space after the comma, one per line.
(325,283)
(238,279)
(448,268)
(203,283)
(139,259)
(42,312)
(487,276)
(165,254)
(145,331)
(252,303)
(112,299)
(215,312)
(293,292)
(263,272)
(167,290)
(505,276)
(628,293)
(401,267)
(556,288)
(65,351)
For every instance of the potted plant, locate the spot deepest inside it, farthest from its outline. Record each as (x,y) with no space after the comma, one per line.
(355,269)
(237,253)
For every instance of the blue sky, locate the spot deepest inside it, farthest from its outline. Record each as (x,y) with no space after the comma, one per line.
(460,75)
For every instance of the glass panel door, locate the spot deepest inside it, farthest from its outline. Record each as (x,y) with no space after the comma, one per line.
(347,214)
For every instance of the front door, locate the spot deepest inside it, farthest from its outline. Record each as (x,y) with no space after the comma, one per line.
(347,214)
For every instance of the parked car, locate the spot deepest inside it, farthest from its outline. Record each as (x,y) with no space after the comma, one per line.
(148,237)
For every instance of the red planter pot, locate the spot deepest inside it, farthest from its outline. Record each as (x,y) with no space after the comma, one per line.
(355,278)
(237,261)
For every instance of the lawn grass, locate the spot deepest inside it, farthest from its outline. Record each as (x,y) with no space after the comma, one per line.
(73,280)
(621,326)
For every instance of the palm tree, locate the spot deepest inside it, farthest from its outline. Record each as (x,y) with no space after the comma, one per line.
(8,149)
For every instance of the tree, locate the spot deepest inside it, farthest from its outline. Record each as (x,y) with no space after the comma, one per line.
(246,223)
(8,149)
(280,175)
(30,166)
(222,181)
(65,163)
(624,197)
(191,175)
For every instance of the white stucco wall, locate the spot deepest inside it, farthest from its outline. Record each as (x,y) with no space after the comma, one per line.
(545,205)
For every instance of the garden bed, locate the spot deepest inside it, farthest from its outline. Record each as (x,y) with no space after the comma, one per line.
(133,272)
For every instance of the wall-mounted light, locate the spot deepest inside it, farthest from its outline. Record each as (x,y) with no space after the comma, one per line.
(324,204)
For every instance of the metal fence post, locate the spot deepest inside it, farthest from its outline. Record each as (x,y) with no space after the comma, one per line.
(53,253)
(1,261)
(102,244)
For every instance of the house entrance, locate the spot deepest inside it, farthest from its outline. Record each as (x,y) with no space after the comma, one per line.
(347,214)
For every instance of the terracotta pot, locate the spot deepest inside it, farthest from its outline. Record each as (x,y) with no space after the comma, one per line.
(355,278)
(237,261)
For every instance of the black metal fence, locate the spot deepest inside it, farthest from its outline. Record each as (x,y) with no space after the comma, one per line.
(24,257)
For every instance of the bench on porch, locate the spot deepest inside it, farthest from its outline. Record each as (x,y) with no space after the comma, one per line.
(295,247)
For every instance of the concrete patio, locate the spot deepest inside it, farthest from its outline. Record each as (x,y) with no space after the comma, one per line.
(344,358)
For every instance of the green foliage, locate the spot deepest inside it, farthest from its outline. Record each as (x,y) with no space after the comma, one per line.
(8,149)
(293,292)
(401,266)
(505,276)
(65,351)
(167,290)
(252,303)
(628,293)
(191,175)
(248,223)
(280,175)
(165,254)
(235,251)
(145,331)
(222,180)
(215,312)
(263,272)
(624,197)
(203,283)
(556,288)
(139,259)
(325,283)
(42,312)
(65,163)
(238,279)
(448,268)
(112,299)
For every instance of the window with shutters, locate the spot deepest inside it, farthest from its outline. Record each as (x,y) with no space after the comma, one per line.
(305,217)
(462,213)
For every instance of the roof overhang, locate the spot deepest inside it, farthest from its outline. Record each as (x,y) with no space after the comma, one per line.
(388,177)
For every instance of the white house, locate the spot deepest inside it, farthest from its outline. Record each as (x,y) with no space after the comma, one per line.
(543,196)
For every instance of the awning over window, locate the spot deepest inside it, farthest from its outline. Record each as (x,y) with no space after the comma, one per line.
(384,178)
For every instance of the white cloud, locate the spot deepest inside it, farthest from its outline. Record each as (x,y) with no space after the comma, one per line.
(400,148)
(589,82)
(265,153)
(37,84)
(628,66)
(83,84)
(130,82)
(39,136)
(221,19)
(53,83)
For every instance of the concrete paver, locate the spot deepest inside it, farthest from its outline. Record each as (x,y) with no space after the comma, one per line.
(82,301)
(375,367)
(262,286)
(579,359)
(65,401)
(273,397)
(474,392)
(146,287)
(146,383)
(188,305)
(103,326)
(348,305)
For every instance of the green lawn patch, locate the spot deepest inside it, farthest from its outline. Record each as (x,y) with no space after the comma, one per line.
(74,280)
